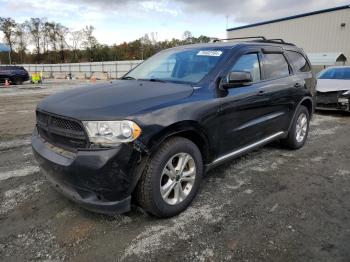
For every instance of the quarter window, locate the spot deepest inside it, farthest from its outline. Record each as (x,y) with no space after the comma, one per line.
(275,66)
(298,61)
(249,63)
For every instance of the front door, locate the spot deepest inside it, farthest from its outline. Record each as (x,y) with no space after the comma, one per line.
(242,110)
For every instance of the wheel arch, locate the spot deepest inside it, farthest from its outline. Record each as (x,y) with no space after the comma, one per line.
(15,78)
(308,103)
(191,130)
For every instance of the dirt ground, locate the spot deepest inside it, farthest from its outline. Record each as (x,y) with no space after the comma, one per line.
(270,205)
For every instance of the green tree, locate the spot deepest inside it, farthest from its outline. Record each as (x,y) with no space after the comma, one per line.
(8,27)
(90,42)
(35,26)
(21,41)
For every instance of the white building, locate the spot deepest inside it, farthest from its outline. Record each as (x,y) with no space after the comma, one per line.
(324,31)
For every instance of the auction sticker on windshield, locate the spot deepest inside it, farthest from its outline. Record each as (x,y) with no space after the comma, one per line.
(209,53)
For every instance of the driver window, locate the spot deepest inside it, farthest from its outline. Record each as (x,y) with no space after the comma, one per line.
(249,63)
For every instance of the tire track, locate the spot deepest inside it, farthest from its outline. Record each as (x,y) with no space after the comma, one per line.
(7,145)
(19,172)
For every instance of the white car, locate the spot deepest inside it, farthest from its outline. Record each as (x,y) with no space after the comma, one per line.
(333,88)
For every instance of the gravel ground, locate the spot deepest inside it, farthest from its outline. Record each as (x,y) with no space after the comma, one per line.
(270,205)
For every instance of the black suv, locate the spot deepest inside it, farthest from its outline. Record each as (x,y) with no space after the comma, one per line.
(14,74)
(151,135)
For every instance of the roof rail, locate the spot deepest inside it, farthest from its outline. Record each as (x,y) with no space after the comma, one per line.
(261,39)
(274,41)
(277,39)
(240,38)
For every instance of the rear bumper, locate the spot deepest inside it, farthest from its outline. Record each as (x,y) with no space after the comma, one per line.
(99,180)
(26,78)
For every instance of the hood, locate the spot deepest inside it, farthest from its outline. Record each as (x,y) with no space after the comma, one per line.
(330,85)
(114,100)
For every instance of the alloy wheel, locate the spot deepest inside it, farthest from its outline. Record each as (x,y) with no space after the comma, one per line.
(301,128)
(178,178)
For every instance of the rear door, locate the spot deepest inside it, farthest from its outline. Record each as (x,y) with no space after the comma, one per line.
(303,79)
(279,89)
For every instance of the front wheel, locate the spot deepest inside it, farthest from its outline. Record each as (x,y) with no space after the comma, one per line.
(171,179)
(299,130)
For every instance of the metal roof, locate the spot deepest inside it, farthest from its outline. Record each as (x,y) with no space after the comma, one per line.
(291,17)
(4,48)
(326,58)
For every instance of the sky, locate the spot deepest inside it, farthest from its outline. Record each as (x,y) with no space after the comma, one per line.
(116,21)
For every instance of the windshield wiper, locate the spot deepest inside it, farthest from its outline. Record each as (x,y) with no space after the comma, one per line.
(127,78)
(153,80)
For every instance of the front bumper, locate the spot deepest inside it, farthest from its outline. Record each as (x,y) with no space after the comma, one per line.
(99,180)
(332,101)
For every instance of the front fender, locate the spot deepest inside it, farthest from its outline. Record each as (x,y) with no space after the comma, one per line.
(188,129)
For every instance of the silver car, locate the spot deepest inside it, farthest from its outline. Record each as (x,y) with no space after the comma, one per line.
(333,89)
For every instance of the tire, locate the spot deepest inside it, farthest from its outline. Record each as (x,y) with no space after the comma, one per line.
(17,81)
(297,140)
(151,191)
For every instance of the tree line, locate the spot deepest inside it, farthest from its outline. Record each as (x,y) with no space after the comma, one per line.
(38,40)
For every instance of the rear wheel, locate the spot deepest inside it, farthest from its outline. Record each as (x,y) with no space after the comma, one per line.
(299,130)
(17,81)
(171,179)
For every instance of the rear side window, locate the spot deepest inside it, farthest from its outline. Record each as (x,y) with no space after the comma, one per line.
(275,66)
(249,63)
(298,61)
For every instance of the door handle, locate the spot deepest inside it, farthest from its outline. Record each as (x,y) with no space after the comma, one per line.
(261,93)
(297,85)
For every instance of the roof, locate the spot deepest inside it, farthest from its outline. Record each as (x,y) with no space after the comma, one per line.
(291,17)
(326,58)
(232,44)
(4,48)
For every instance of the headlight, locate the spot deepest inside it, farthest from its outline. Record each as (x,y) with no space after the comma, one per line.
(109,133)
(347,93)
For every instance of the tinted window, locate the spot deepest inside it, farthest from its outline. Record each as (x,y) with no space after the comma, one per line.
(249,63)
(298,61)
(336,73)
(275,66)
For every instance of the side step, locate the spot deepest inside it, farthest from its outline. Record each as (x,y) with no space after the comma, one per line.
(244,150)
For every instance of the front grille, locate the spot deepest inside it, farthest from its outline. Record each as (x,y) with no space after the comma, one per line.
(328,97)
(66,133)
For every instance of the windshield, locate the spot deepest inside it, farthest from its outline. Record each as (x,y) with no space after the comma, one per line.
(181,66)
(336,73)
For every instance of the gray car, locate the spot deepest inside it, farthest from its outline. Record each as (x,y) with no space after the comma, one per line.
(333,89)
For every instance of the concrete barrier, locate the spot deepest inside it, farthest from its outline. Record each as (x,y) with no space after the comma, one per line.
(47,75)
(79,76)
(100,75)
(58,75)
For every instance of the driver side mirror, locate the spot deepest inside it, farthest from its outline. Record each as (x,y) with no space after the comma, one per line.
(237,79)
